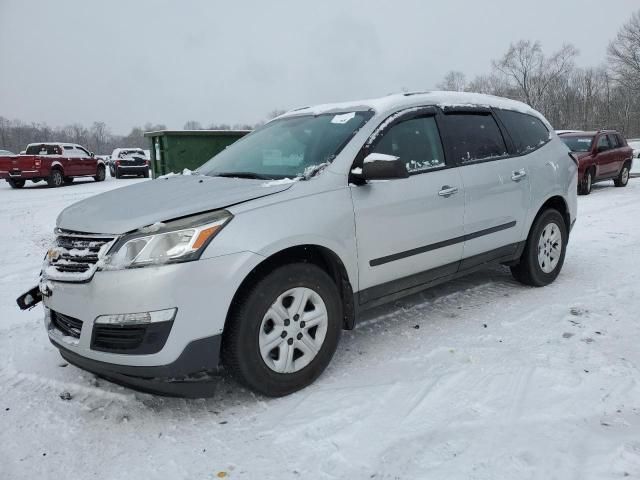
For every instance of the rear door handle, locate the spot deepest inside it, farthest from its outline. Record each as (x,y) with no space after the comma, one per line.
(447,191)
(518,175)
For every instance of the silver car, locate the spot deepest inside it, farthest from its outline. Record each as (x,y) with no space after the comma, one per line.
(260,258)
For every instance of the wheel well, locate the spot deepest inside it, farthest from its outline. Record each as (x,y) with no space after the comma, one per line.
(58,167)
(560,205)
(319,256)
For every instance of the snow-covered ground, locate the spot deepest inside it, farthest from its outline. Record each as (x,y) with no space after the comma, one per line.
(480,378)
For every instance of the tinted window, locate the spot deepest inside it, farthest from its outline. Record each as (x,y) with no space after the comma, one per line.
(614,141)
(578,143)
(43,150)
(527,132)
(416,142)
(603,143)
(474,137)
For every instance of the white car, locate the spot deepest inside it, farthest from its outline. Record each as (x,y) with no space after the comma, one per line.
(258,260)
(635,164)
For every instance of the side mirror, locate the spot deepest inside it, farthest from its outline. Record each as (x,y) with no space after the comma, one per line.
(91,154)
(380,166)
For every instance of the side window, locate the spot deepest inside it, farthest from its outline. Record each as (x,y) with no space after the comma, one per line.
(527,132)
(82,152)
(474,137)
(603,143)
(415,141)
(613,141)
(69,151)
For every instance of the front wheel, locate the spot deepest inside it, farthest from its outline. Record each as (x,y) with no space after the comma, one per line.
(283,330)
(584,188)
(544,251)
(623,177)
(16,183)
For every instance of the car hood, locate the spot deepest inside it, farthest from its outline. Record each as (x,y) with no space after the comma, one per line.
(129,208)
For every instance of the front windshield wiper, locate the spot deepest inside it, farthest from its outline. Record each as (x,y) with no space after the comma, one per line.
(250,175)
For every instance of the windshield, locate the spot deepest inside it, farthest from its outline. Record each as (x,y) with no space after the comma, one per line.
(131,153)
(578,144)
(287,148)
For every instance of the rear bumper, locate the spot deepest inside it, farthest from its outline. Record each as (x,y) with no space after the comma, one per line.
(21,174)
(131,169)
(190,375)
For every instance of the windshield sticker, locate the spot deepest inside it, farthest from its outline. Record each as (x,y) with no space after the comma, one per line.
(343,118)
(584,140)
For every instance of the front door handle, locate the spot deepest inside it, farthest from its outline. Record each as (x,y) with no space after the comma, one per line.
(518,175)
(447,191)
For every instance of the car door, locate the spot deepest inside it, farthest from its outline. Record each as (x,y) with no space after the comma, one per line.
(408,231)
(604,157)
(618,154)
(496,184)
(87,163)
(71,163)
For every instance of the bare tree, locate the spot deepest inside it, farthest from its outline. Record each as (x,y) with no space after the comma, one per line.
(454,81)
(192,125)
(525,64)
(624,54)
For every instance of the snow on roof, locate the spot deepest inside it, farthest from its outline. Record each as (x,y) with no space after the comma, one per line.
(400,100)
(62,144)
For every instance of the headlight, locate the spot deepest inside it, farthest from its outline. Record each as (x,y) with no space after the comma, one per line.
(177,241)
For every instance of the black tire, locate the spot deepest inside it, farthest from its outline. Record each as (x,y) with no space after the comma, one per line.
(146,174)
(118,174)
(16,182)
(240,344)
(100,174)
(56,178)
(529,271)
(585,185)
(623,177)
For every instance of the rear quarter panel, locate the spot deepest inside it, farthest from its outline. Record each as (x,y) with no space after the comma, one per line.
(553,173)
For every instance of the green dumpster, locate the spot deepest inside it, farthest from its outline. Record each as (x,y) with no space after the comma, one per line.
(175,150)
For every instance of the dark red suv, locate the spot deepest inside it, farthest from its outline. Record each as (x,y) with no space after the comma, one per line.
(602,155)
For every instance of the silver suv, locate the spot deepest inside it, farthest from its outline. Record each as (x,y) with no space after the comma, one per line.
(258,260)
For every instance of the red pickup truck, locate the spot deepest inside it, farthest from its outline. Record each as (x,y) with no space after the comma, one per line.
(602,155)
(55,163)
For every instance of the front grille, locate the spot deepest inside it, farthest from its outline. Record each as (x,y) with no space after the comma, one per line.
(76,254)
(69,326)
(111,337)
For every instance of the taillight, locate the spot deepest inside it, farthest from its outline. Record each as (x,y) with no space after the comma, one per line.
(146,162)
(118,162)
(38,162)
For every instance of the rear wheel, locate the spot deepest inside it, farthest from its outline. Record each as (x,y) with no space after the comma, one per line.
(584,188)
(623,177)
(56,179)
(146,174)
(284,330)
(100,174)
(544,251)
(118,174)
(16,183)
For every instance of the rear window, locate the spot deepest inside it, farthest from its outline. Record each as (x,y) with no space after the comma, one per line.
(43,150)
(614,140)
(474,137)
(578,143)
(527,132)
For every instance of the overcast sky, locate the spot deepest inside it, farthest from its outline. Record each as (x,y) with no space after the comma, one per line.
(127,62)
